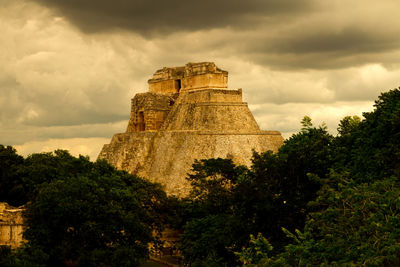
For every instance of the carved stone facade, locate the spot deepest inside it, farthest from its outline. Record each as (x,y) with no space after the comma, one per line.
(148,111)
(11,225)
(188,113)
(190,77)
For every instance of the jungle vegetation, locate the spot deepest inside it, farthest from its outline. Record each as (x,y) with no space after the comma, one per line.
(320,200)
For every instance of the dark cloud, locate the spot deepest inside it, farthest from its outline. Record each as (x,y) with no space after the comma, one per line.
(19,134)
(346,41)
(325,59)
(322,48)
(160,16)
(281,34)
(55,108)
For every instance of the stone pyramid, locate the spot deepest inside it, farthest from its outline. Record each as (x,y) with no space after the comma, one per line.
(188,113)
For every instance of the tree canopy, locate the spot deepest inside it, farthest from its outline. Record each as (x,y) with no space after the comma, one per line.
(320,200)
(85,213)
(11,186)
(232,202)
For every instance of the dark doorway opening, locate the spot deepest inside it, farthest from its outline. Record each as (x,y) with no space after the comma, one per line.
(178,85)
(140,121)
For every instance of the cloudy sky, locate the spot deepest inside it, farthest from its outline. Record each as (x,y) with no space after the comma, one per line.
(68,68)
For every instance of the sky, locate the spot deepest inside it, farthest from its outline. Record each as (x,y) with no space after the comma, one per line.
(68,68)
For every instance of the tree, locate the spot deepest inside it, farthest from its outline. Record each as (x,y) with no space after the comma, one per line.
(41,169)
(348,125)
(306,122)
(257,252)
(228,202)
(11,186)
(359,227)
(372,149)
(206,241)
(98,217)
(21,179)
(355,219)
(79,212)
(283,183)
(208,214)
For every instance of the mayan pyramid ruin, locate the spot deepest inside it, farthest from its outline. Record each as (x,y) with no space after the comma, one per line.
(188,113)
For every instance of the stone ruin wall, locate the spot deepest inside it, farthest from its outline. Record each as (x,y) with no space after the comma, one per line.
(148,111)
(172,126)
(11,225)
(191,77)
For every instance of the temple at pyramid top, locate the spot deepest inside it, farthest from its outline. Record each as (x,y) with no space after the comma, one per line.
(192,76)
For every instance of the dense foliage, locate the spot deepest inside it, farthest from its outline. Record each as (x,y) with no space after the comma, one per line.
(84,213)
(11,186)
(320,200)
(357,212)
(228,203)
(359,226)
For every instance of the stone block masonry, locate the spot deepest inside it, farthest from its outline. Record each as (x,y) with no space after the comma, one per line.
(189,113)
(11,225)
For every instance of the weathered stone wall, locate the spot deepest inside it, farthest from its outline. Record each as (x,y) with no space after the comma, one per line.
(192,76)
(174,152)
(11,225)
(213,95)
(202,124)
(166,87)
(210,80)
(211,110)
(129,151)
(204,75)
(148,111)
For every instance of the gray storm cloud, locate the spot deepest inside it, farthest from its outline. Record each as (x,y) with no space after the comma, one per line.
(162,17)
(303,34)
(69,68)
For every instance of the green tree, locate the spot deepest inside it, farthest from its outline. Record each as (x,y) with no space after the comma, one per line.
(306,122)
(21,179)
(42,168)
(209,232)
(80,212)
(282,184)
(11,185)
(206,241)
(95,220)
(257,252)
(348,125)
(355,219)
(370,149)
(93,215)
(228,202)
(359,227)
